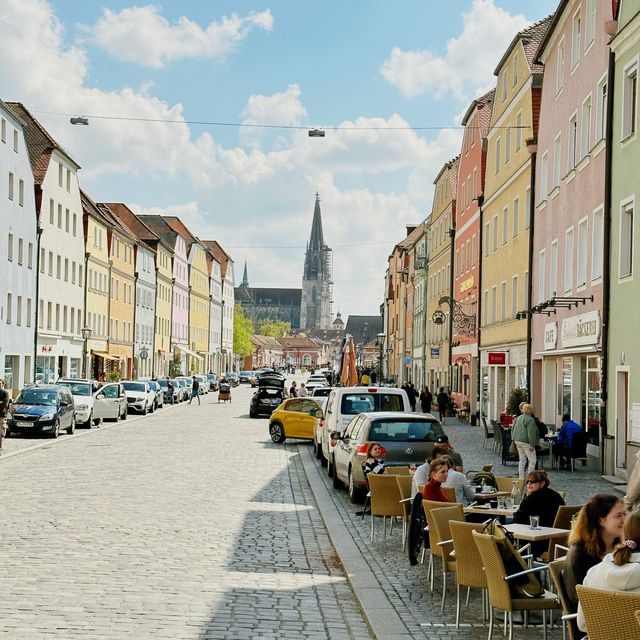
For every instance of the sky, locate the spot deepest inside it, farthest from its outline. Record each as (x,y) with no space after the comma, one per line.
(178,95)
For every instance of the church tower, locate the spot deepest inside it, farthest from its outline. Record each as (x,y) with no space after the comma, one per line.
(315,312)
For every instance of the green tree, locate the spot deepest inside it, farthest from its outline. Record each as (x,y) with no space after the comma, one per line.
(242,332)
(274,328)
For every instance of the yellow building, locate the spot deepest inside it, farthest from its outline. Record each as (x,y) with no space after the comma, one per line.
(198,297)
(439,239)
(506,215)
(98,273)
(121,296)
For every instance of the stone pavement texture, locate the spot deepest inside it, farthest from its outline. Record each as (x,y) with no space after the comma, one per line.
(186,524)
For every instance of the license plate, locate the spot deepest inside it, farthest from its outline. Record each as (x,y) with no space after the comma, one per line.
(21,423)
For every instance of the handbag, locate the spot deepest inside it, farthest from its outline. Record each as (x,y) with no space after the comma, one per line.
(513,448)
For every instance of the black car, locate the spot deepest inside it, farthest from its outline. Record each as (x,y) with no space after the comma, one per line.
(40,409)
(213,381)
(270,394)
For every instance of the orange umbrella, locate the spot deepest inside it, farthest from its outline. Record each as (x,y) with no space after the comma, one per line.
(353,371)
(349,373)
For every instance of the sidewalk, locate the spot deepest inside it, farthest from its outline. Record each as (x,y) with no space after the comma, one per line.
(394,595)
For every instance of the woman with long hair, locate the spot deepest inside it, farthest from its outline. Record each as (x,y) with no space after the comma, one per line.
(373,462)
(597,530)
(620,570)
(438,472)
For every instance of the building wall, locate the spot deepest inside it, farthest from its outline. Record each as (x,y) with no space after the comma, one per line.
(198,307)
(143,347)
(19,269)
(215,311)
(162,344)
(180,302)
(228,285)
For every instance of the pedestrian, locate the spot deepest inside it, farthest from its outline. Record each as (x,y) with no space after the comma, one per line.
(413,395)
(426,399)
(374,377)
(195,390)
(632,499)
(293,392)
(442,399)
(562,446)
(302,393)
(4,407)
(170,390)
(364,379)
(524,433)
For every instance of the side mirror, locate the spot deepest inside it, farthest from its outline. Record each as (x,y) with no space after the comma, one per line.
(99,396)
(336,435)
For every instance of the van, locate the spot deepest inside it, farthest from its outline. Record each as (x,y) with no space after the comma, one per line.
(343,404)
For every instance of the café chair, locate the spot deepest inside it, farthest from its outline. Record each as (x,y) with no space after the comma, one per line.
(489,433)
(385,500)
(500,596)
(469,568)
(435,550)
(570,629)
(450,492)
(563,520)
(397,471)
(578,449)
(610,615)
(406,500)
(442,519)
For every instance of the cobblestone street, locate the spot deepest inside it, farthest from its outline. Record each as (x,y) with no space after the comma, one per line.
(185,524)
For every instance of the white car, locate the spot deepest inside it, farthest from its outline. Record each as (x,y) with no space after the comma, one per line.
(110,402)
(82,392)
(140,396)
(316,381)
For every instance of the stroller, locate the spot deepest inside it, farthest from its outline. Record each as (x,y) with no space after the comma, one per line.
(224,392)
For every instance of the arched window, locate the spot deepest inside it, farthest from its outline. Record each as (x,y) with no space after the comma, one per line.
(313,294)
(306,359)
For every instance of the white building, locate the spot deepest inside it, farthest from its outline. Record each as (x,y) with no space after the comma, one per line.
(215,314)
(17,254)
(61,252)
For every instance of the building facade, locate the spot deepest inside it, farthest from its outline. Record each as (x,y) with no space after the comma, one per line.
(215,312)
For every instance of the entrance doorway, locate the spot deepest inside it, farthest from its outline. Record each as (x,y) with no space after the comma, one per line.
(622,417)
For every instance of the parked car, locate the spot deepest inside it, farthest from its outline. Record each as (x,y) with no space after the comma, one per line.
(213,381)
(407,438)
(82,392)
(246,377)
(232,378)
(320,395)
(204,384)
(184,387)
(47,409)
(343,404)
(170,397)
(110,402)
(140,396)
(159,394)
(294,418)
(271,392)
(258,372)
(315,381)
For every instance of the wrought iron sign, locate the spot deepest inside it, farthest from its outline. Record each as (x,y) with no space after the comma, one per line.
(438,317)
(463,322)
(548,307)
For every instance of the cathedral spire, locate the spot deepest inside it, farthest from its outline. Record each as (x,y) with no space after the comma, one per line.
(316,242)
(245,277)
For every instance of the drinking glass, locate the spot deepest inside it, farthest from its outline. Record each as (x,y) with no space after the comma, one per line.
(534,522)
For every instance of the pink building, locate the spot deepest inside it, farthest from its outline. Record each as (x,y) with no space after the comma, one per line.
(466,283)
(568,226)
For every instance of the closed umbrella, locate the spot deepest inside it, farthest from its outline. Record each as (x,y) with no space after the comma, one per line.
(349,374)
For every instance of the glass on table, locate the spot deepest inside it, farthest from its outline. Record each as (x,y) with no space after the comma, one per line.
(534,522)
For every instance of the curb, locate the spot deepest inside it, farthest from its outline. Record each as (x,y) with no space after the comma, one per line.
(382,617)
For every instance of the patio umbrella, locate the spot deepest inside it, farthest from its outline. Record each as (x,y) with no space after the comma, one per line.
(349,374)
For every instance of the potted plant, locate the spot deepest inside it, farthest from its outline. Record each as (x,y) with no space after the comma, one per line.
(515,398)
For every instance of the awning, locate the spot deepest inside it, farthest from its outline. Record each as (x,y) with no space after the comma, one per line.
(104,354)
(593,349)
(193,354)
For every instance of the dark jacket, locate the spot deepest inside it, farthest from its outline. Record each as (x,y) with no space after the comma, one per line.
(4,403)
(442,399)
(426,400)
(543,503)
(565,435)
(579,561)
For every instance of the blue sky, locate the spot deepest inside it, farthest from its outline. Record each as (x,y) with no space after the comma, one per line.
(374,69)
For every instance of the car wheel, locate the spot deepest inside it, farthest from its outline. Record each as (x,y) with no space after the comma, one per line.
(331,466)
(72,429)
(56,429)
(355,494)
(276,432)
(318,448)
(337,483)
(89,422)
(152,408)
(146,409)
(252,413)
(125,413)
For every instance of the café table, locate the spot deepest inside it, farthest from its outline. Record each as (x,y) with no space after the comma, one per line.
(525,532)
(551,439)
(491,495)
(490,511)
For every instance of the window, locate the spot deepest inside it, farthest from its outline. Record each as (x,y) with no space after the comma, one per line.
(503,300)
(30,256)
(557,147)
(573,142)
(514,295)
(544,172)
(568,260)
(15,140)
(542,266)
(11,185)
(585,138)
(66,220)
(625,267)
(601,109)
(52,216)
(64,318)
(498,143)
(66,269)
(9,305)
(575,39)
(507,145)
(29,303)
(494,303)
(10,246)
(68,179)
(485,307)
(527,207)
(475,183)
(589,23)
(19,310)
(597,244)
(50,271)
(60,174)
(553,269)
(495,233)
(20,250)
(3,130)
(526,290)
(75,224)
(59,216)
(629,99)
(58,267)
(581,278)
(21,192)
(516,217)
(518,130)
(505,225)
(49,315)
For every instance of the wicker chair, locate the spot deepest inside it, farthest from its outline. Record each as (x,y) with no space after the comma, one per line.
(569,629)
(563,519)
(488,433)
(498,586)
(385,500)
(638,619)
(469,569)
(450,492)
(397,471)
(435,550)
(406,499)
(441,521)
(610,615)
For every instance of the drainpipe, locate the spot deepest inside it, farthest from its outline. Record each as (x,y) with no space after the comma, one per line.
(452,236)
(154,360)
(479,312)
(532,147)
(606,255)
(109,310)
(86,355)
(136,368)
(36,318)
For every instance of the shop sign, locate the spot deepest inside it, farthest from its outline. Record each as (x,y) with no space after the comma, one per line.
(467,284)
(497,357)
(435,352)
(550,335)
(581,330)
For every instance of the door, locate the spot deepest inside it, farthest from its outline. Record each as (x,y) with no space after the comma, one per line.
(345,450)
(622,417)
(307,421)
(106,402)
(293,417)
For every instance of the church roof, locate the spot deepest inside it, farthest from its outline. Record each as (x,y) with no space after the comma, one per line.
(274,295)
(316,241)
(361,333)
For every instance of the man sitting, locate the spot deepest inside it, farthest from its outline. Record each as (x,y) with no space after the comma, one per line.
(562,447)
(443,442)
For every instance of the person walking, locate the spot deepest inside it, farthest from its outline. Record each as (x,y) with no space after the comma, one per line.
(4,407)
(526,437)
(442,399)
(170,390)
(426,399)
(195,390)
(413,396)
(303,393)
(293,391)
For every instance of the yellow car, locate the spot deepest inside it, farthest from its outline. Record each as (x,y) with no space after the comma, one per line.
(295,418)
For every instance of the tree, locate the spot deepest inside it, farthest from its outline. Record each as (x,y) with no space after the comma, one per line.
(242,332)
(274,328)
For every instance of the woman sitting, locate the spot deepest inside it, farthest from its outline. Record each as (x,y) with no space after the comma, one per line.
(596,532)
(438,472)
(540,501)
(620,570)
(373,462)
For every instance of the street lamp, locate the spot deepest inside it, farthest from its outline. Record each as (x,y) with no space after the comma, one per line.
(381,337)
(86,334)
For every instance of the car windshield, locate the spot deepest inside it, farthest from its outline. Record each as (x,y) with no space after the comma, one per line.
(404,431)
(37,396)
(133,386)
(355,403)
(79,388)
(322,391)
(162,383)
(211,377)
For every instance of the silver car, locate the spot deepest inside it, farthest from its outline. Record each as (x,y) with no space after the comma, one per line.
(407,438)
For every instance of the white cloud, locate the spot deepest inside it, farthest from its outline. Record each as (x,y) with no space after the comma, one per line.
(143,36)
(487,31)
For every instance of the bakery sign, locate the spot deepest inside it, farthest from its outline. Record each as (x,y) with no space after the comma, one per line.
(550,335)
(581,330)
